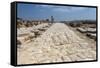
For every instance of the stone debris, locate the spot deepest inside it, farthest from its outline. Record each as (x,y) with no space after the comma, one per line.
(82,30)
(29,33)
(91,35)
(90,32)
(58,43)
(19,44)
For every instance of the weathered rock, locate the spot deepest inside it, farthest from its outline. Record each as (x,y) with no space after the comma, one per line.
(18,44)
(92,35)
(91,30)
(82,30)
(42,29)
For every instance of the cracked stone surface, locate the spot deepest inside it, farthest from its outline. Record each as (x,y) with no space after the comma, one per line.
(58,43)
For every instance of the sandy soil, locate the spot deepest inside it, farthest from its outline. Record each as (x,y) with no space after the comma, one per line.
(59,43)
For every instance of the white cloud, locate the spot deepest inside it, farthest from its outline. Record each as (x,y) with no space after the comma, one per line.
(44,5)
(78,8)
(68,9)
(62,8)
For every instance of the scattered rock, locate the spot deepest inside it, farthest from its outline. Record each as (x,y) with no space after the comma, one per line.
(91,35)
(91,30)
(82,30)
(18,44)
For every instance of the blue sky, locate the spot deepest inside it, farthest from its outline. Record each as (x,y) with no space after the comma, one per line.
(60,13)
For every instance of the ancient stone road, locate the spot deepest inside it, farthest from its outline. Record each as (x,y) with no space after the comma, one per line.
(57,44)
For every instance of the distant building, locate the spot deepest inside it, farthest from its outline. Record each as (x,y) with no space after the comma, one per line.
(52,19)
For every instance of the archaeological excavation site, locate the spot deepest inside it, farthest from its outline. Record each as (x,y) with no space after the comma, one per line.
(49,33)
(46,42)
